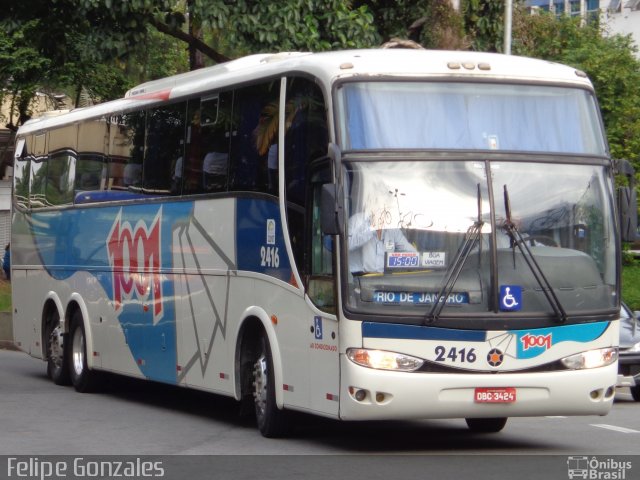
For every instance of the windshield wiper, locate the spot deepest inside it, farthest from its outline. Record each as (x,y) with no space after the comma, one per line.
(517,240)
(471,238)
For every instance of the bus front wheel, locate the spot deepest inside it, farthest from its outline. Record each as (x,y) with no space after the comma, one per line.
(82,378)
(486,425)
(272,422)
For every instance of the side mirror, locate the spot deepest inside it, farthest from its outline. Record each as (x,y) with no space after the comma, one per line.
(628,210)
(331,213)
(627,202)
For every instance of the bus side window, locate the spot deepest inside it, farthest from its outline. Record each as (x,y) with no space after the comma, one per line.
(190,172)
(306,139)
(216,121)
(254,130)
(89,172)
(21,171)
(115,153)
(164,148)
(93,145)
(126,151)
(38,173)
(60,178)
(61,168)
(206,164)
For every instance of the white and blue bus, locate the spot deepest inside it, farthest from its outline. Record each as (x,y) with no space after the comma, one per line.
(362,235)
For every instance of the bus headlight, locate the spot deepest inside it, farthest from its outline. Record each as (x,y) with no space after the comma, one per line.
(383,360)
(591,359)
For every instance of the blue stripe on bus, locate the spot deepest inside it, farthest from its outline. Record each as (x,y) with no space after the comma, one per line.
(534,342)
(530,342)
(260,249)
(75,240)
(413,332)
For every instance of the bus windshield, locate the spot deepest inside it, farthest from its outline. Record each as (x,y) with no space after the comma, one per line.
(469,116)
(419,229)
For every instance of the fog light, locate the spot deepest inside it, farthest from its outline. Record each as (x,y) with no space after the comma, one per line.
(360,395)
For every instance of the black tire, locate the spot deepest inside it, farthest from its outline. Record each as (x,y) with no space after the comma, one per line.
(271,421)
(635,392)
(57,351)
(83,379)
(486,425)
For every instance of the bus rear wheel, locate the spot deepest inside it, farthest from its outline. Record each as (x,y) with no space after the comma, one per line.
(486,425)
(271,421)
(57,353)
(83,379)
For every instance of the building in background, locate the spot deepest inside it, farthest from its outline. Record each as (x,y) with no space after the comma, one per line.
(622,16)
(617,16)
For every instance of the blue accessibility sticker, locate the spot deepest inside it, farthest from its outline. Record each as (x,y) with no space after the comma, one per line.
(317,326)
(510,298)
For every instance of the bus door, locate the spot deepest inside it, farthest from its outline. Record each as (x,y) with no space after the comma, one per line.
(324,371)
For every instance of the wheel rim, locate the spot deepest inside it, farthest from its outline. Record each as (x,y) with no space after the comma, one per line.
(77,352)
(56,351)
(260,381)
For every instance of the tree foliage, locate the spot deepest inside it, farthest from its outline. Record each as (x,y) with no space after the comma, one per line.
(20,79)
(313,25)
(431,23)
(105,46)
(484,24)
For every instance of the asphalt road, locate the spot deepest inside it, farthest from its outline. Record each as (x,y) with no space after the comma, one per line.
(137,418)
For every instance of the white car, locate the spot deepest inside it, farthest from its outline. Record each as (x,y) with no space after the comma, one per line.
(629,354)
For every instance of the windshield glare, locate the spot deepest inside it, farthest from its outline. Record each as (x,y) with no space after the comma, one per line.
(469,116)
(411,224)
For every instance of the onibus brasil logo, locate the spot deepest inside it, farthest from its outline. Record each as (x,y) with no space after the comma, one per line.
(595,468)
(134,256)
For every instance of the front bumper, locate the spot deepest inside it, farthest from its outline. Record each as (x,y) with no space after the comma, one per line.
(396,395)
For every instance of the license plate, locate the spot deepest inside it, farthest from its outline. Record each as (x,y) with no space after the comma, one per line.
(495,395)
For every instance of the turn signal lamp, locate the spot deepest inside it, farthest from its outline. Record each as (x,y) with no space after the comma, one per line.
(383,360)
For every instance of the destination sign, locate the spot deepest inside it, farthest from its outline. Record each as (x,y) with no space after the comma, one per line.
(418,298)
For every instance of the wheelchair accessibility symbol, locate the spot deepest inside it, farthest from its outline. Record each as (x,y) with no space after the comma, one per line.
(510,298)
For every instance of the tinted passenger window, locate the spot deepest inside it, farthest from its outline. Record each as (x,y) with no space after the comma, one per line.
(38,182)
(207,153)
(93,145)
(60,178)
(90,170)
(21,171)
(164,150)
(254,132)
(306,139)
(126,151)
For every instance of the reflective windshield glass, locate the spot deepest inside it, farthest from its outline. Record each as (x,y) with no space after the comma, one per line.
(469,116)
(419,229)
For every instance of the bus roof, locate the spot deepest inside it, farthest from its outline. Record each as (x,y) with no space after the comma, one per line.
(330,67)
